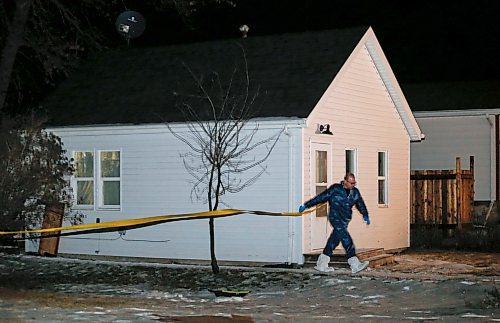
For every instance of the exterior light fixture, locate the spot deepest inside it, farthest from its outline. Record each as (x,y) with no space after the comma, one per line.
(324,129)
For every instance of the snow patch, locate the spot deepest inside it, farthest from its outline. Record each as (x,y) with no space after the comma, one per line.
(335,281)
(87,312)
(472,315)
(229,299)
(467,283)
(352,296)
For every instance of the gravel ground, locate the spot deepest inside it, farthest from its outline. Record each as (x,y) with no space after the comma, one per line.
(421,286)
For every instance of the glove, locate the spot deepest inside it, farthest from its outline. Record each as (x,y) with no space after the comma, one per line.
(367,219)
(302,208)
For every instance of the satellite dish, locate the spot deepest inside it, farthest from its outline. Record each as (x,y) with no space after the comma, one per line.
(130,24)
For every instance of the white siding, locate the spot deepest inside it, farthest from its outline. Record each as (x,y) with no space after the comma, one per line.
(155,182)
(363,116)
(461,136)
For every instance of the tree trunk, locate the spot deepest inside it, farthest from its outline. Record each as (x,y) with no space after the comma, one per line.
(12,43)
(215,266)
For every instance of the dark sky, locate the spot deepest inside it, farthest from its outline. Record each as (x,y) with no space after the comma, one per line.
(423,40)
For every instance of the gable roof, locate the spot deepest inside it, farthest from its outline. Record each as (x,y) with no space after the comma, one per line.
(139,85)
(437,96)
(391,85)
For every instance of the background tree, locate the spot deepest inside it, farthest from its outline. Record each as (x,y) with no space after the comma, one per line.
(221,139)
(33,172)
(42,41)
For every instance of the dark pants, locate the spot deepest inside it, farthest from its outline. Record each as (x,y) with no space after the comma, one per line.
(338,235)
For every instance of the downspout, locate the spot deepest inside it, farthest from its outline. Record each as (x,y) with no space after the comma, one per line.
(494,158)
(291,231)
(497,162)
(408,236)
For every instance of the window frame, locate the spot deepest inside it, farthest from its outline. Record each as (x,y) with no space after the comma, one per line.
(98,181)
(74,185)
(384,177)
(321,211)
(101,179)
(355,163)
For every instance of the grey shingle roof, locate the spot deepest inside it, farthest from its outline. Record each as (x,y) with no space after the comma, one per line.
(138,85)
(453,95)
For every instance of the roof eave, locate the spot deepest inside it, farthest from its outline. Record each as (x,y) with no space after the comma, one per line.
(456,113)
(395,92)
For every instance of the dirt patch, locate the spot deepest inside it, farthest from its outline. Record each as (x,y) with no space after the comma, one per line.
(43,298)
(448,263)
(421,286)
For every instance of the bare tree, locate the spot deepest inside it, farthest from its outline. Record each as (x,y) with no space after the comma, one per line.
(221,138)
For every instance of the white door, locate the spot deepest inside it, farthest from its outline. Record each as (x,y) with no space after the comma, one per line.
(320,180)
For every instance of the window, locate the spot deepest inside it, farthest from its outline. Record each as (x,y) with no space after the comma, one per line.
(84,175)
(109,180)
(382,178)
(350,161)
(321,178)
(101,184)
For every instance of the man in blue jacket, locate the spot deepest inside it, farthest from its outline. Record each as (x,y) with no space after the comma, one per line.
(341,197)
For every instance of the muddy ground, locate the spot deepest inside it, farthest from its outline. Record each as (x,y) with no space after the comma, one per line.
(421,286)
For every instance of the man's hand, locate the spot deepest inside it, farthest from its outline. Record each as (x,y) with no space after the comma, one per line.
(367,219)
(302,208)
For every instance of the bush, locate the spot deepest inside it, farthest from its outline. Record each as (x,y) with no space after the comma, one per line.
(473,238)
(33,173)
(480,238)
(426,237)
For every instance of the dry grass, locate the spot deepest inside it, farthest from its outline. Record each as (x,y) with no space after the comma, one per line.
(474,238)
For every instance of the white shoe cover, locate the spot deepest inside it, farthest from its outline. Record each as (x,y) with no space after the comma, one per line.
(356,265)
(322,264)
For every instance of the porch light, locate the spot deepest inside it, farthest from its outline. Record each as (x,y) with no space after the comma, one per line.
(324,129)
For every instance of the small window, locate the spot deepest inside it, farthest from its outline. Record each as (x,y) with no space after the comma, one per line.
(350,161)
(321,166)
(321,179)
(110,178)
(100,186)
(84,175)
(382,178)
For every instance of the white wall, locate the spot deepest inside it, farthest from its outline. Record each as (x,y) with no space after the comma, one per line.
(363,116)
(155,182)
(456,136)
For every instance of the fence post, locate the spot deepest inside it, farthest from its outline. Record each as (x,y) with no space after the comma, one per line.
(458,183)
(469,198)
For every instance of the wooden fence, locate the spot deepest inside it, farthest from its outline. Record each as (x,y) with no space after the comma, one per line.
(443,197)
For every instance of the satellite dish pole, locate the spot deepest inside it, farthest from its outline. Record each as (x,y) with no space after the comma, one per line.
(130,24)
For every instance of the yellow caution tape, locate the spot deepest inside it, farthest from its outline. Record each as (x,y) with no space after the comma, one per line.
(141,222)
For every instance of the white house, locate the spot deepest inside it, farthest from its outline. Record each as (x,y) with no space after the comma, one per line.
(459,119)
(111,117)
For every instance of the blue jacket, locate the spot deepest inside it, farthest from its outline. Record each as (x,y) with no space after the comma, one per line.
(340,203)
